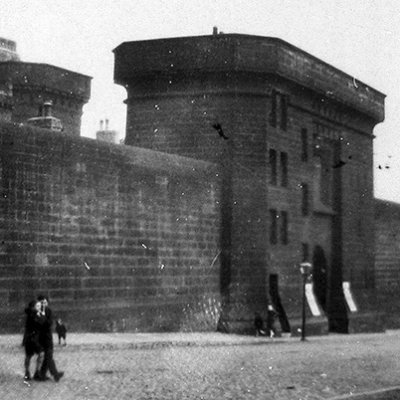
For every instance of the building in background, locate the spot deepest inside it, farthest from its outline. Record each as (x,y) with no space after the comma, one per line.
(34,84)
(8,50)
(105,134)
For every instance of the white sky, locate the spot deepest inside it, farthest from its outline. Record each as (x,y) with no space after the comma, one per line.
(360,37)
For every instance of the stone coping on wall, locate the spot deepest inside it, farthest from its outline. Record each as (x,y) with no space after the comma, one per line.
(169,165)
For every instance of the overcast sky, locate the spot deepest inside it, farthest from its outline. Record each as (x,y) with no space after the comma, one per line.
(360,37)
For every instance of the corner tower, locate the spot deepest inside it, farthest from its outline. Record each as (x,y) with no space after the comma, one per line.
(33,84)
(293,136)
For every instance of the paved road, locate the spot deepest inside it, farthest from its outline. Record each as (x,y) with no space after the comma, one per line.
(321,368)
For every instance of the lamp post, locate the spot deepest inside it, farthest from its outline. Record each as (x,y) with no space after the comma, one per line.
(305,270)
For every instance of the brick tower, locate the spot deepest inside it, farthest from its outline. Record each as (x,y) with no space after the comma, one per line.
(293,137)
(34,84)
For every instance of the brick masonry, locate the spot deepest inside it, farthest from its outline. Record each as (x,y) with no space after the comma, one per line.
(186,226)
(127,235)
(179,88)
(387,231)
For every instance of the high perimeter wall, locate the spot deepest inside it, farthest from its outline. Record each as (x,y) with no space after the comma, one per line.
(387,260)
(118,237)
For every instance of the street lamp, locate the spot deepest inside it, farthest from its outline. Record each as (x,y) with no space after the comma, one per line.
(305,270)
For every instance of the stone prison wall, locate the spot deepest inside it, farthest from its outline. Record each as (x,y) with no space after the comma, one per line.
(120,238)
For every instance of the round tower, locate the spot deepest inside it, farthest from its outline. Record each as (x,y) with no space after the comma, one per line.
(293,137)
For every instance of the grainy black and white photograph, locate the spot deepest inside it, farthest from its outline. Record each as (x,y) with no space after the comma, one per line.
(199,200)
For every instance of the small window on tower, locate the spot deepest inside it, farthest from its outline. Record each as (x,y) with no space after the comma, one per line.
(284,169)
(304,145)
(273,167)
(279,110)
(273,113)
(284,227)
(304,199)
(273,232)
(283,109)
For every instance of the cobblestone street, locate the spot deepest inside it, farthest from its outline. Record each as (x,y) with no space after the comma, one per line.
(321,368)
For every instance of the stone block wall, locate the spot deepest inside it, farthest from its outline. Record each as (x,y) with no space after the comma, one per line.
(387,257)
(118,237)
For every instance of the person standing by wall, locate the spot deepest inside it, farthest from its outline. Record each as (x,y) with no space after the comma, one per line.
(46,340)
(33,326)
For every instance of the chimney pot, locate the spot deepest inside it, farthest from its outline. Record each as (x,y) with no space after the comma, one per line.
(47,108)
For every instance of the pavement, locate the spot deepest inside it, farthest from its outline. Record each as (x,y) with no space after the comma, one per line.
(91,341)
(208,366)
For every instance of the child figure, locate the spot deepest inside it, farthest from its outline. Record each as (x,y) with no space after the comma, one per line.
(61,330)
(271,315)
(33,326)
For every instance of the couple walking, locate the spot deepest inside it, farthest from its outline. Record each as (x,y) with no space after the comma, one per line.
(38,340)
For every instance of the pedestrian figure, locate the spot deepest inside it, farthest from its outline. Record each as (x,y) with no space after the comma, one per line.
(46,340)
(33,325)
(258,324)
(271,315)
(61,330)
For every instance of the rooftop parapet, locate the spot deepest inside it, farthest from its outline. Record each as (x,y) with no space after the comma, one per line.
(53,78)
(248,54)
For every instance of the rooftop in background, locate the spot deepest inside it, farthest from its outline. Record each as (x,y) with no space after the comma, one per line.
(28,74)
(8,50)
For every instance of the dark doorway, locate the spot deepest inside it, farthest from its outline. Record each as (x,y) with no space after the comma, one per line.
(276,302)
(329,293)
(320,269)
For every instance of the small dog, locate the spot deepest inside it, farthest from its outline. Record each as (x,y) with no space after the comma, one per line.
(61,330)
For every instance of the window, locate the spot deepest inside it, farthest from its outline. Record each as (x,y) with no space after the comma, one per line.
(273,114)
(304,199)
(273,232)
(283,109)
(284,227)
(304,145)
(284,169)
(279,110)
(305,252)
(326,177)
(273,167)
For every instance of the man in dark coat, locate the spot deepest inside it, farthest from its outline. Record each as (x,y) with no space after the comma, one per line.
(33,326)
(46,340)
